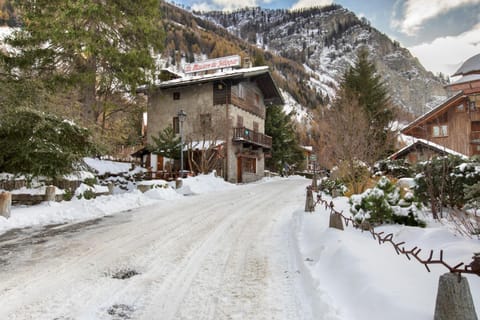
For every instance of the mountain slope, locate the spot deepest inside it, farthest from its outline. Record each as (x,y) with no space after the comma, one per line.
(325,40)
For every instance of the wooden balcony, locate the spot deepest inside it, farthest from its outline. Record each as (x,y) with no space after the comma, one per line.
(248,136)
(475,137)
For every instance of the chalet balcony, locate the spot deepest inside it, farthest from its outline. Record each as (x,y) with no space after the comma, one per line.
(475,137)
(248,136)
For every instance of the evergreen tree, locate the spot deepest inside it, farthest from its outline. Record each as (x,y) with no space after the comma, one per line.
(285,146)
(363,81)
(167,143)
(99,47)
(38,144)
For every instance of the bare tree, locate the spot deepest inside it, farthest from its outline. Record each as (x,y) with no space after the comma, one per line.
(354,150)
(205,144)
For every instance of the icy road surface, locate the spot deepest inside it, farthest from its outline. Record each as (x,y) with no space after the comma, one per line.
(226,255)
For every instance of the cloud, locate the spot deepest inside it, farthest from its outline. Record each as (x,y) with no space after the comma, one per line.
(310,3)
(446,54)
(417,12)
(223,5)
(202,7)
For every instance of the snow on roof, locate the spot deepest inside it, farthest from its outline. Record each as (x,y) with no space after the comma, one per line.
(431,144)
(467,78)
(471,65)
(245,72)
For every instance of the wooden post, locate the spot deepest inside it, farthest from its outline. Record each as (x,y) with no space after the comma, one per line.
(178,183)
(454,299)
(144,187)
(314,182)
(110,187)
(309,206)
(336,221)
(50,193)
(5,204)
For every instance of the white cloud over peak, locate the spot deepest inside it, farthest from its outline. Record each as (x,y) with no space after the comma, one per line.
(446,54)
(224,5)
(417,12)
(310,3)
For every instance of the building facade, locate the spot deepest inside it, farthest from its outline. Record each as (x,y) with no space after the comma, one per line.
(455,123)
(224,127)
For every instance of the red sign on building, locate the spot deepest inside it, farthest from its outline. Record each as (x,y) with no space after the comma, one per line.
(219,63)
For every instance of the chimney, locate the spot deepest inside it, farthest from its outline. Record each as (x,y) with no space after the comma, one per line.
(247,63)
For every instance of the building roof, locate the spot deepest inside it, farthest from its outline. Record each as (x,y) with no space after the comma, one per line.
(261,75)
(428,145)
(434,112)
(472,65)
(465,79)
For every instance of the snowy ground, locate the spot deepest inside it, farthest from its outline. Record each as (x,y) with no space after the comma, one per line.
(222,252)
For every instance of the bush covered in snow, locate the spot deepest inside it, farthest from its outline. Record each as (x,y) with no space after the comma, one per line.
(394,168)
(443,181)
(385,203)
(333,187)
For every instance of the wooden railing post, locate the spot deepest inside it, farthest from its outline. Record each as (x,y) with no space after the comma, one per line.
(5,204)
(50,193)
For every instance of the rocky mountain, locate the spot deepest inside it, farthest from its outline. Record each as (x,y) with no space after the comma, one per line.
(324,42)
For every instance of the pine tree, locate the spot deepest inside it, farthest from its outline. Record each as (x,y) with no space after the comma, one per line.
(167,143)
(285,146)
(99,47)
(38,144)
(363,81)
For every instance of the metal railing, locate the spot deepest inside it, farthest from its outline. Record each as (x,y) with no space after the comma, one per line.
(472,268)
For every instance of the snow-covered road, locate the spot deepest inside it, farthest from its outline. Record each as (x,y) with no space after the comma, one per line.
(224,255)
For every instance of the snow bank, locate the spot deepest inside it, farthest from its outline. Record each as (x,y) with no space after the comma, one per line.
(365,280)
(78,210)
(113,167)
(203,184)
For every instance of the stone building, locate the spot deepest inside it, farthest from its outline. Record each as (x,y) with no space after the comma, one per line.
(224,127)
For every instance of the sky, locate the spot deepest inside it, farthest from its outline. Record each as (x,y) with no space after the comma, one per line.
(442,34)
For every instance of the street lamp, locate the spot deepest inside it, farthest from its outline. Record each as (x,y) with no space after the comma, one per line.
(181,118)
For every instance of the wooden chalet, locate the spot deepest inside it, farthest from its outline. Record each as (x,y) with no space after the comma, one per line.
(455,123)
(420,150)
(225,109)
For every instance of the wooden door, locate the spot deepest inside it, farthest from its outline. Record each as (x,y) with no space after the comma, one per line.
(239,170)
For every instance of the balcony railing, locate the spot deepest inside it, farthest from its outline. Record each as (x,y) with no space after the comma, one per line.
(249,136)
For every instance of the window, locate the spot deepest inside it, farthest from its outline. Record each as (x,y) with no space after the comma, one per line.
(249,165)
(242,92)
(176,96)
(476,149)
(475,125)
(176,125)
(257,99)
(206,121)
(460,108)
(440,131)
(239,121)
(474,102)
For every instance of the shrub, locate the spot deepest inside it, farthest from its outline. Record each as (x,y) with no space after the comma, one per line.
(443,181)
(384,204)
(394,168)
(332,186)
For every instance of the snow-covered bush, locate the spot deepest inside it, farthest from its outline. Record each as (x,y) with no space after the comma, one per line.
(442,181)
(333,187)
(394,168)
(385,204)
